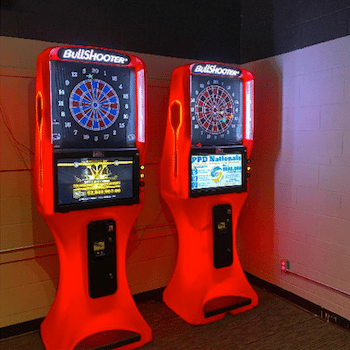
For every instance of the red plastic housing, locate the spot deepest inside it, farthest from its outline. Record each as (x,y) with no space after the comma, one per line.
(75,319)
(198,292)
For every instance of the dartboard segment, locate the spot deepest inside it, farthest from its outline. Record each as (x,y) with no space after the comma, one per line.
(214,109)
(94,104)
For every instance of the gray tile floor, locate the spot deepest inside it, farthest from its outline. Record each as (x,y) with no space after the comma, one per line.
(274,325)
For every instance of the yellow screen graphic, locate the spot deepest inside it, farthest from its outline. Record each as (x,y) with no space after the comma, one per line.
(89,179)
(96,178)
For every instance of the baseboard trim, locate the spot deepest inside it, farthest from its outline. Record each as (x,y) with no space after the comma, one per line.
(20,328)
(156,294)
(313,308)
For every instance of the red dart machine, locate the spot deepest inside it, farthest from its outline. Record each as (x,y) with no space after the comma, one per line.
(204,181)
(89,156)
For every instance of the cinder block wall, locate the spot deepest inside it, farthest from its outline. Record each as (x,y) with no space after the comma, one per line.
(299,205)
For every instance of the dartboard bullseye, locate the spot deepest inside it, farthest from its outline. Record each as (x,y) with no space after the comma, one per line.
(94,104)
(214,109)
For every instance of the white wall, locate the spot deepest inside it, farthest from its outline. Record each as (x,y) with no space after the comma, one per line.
(299,205)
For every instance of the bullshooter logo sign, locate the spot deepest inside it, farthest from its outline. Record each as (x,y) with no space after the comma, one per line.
(93,55)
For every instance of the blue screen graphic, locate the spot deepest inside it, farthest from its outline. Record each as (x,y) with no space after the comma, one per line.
(216,171)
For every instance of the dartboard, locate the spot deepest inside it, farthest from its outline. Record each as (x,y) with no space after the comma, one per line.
(214,109)
(216,113)
(94,104)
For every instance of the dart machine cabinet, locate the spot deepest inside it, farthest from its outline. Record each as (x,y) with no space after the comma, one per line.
(205,182)
(89,156)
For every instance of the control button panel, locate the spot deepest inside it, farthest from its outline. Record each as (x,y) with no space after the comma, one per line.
(222,236)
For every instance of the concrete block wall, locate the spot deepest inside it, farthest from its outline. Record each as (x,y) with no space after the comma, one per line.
(299,205)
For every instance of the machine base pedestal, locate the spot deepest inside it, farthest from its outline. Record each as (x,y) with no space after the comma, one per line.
(77,320)
(198,291)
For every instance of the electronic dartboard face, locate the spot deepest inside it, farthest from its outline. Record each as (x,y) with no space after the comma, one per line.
(93,105)
(216,110)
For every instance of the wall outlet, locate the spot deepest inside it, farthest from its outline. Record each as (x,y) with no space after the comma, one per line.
(284,265)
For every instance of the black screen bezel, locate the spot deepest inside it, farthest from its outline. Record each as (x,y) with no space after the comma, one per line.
(134,199)
(219,151)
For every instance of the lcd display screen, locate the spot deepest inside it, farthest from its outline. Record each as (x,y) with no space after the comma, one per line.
(90,182)
(217,173)
(99,248)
